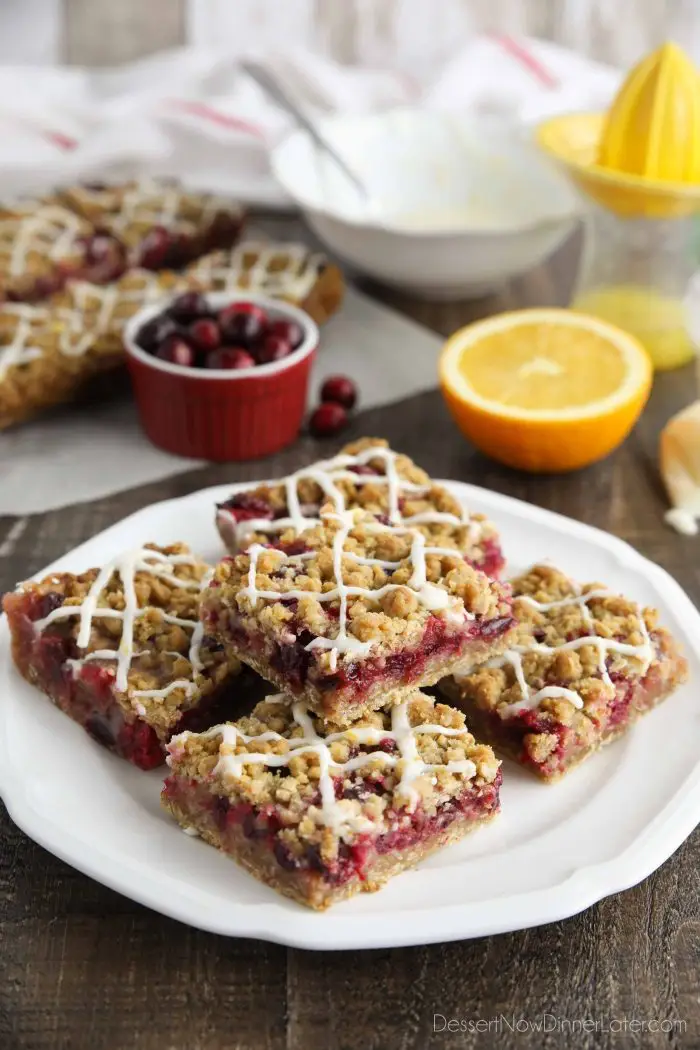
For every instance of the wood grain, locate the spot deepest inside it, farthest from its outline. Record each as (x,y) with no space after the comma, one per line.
(82,968)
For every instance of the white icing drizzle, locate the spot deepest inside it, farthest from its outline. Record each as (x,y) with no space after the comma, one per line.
(160,204)
(232,270)
(339,814)
(126,565)
(513,656)
(327,473)
(48,230)
(81,325)
(430,596)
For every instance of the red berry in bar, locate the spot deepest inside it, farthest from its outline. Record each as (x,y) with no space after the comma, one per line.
(272,348)
(155,247)
(341,390)
(289,330)
(242,322)
(328,419)
(176,351)
(204,334)
(233,357)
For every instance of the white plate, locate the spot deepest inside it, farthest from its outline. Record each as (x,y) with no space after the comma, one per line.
(553,851)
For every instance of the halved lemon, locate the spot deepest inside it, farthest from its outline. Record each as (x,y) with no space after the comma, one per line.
(545,389)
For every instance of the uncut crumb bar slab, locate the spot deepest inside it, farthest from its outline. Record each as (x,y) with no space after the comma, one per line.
(366,475)
(121,651)
(354,610)
(43,244)
(321,813)
(159,224)
(583,665)
(49,351)
(284,271)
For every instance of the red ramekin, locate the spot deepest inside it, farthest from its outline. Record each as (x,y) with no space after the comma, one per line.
(221,414)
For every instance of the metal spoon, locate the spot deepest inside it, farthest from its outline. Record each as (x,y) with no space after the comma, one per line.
(276,92)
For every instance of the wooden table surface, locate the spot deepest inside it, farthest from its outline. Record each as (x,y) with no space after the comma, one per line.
(82,967)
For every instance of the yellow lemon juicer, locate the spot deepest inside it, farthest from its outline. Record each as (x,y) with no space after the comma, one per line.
(639,167)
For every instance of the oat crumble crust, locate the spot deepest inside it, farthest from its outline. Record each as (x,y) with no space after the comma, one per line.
(36,238)
(394,620)
(373,497)
(613,617)
(162,647)
(130,211)
(82,315)
(239,268)
(293,790)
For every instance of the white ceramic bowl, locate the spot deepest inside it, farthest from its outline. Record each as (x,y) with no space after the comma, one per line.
(458,205)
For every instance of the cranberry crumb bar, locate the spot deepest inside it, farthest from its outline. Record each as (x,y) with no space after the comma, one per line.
(43,244)
(159,224)
(583,665)
(284,271)
(366,474)
(121,651)
(50,350)
(321,813)
(354,610)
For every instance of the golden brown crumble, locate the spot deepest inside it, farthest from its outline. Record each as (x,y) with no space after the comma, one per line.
(369,792)
(395,619)
(76,334)
(610,617)
(131,210)
(161,649)
(35,239)
(373,496)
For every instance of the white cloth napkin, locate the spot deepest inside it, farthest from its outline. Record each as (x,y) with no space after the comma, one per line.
(194,114)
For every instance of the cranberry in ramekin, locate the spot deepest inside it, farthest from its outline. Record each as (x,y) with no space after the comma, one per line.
(220,414)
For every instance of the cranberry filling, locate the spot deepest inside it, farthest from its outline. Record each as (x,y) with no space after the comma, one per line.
(492,562)
(352,860)
(245,507)
(297,665)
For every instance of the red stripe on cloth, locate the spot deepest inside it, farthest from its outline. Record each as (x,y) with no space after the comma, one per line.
(60,140)
(527,59)
(224,120)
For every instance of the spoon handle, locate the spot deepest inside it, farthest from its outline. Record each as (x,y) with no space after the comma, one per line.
(264,79)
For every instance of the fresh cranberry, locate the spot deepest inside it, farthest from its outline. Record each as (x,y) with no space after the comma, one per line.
(243,322)
(155,247)
(154,332)
(289,330)
(189,306)
(273,348)
(176,351)
(341,390)
(234,357)
(204,335)
(328,419)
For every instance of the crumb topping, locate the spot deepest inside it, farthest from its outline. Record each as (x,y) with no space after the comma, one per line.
(326,783)
(130,211)
(36,236)
(365,475)
(572,644)
(283,271)
(138,618)
(351,583)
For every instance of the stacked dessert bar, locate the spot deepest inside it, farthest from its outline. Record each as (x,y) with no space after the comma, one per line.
(350,587)
(74,268)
